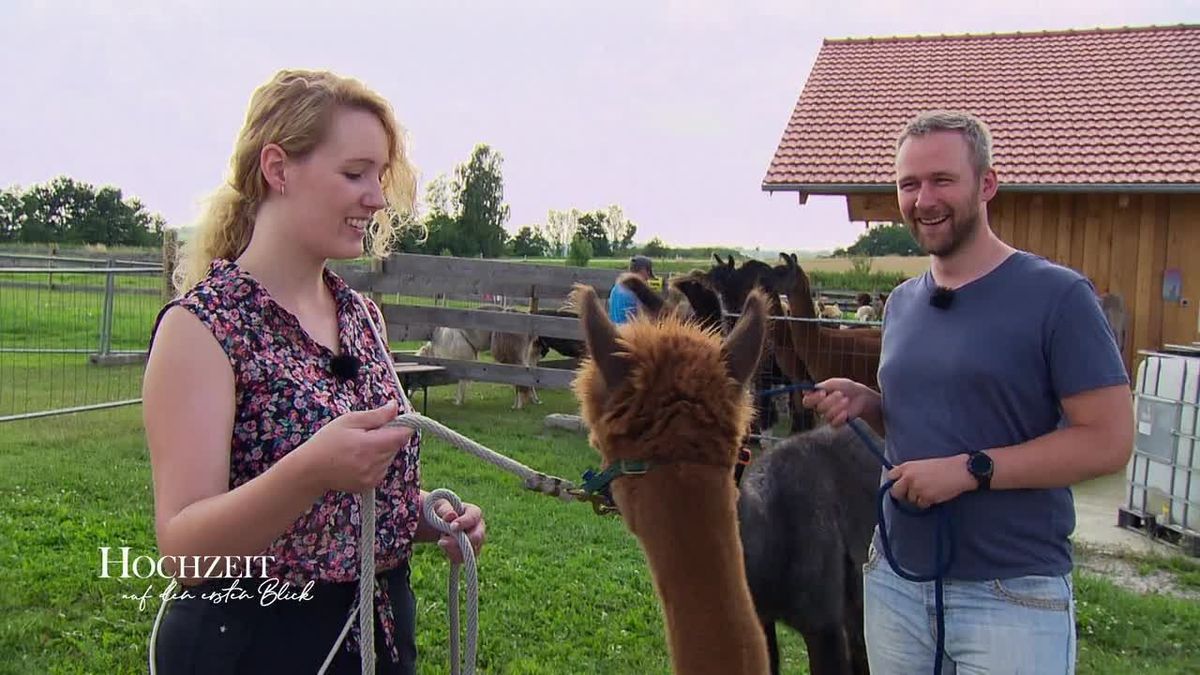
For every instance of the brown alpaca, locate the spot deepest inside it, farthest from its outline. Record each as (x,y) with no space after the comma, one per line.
(705,293)
(827,351)
(666,392)
(732,285)
(520,350)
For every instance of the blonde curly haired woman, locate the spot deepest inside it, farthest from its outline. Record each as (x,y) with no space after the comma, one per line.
(266,395)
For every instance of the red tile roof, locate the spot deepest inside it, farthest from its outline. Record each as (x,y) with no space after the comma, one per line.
(1069,108)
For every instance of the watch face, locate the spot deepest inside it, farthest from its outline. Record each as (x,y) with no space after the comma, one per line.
(980,464)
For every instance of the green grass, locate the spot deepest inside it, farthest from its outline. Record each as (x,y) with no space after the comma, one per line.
(70,319)
(561,590)
(1123,632)
(79,250)
(661,265)
(870,282)
(96,281)
(45,319)
(31,383)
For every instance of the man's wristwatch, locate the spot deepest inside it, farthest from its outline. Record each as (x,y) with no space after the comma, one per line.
(980,465)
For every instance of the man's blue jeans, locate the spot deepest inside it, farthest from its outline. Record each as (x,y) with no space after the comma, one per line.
(998,626)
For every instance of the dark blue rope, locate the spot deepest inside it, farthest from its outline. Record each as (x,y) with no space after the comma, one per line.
(942,559)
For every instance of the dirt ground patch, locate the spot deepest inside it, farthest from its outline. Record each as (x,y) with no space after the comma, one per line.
(1133,573)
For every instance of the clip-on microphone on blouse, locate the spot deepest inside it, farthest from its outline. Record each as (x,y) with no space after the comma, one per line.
(344,366)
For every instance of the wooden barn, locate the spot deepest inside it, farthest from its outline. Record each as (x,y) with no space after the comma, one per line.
(1096,141)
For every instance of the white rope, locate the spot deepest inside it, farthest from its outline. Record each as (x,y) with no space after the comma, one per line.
(366,591)
(152,654)
(364,606)
(533,480)
(366,583)
(366,577)
(468,554)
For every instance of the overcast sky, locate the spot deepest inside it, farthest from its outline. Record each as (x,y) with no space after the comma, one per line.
(670,109)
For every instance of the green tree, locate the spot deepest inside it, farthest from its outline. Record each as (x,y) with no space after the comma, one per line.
(479,189)
(528,244)
(10,212)
(411,234)
(559,229)
(894,239)
(68,211)
(445,237)
(619,228)
(592,228)
(626,243)
(580,252)
(440,198)
(655,248)
(440,225)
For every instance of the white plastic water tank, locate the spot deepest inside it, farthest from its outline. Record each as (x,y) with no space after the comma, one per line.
(1164,472)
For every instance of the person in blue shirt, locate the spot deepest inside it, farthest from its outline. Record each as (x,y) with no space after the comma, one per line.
(622,304)
(1000,386)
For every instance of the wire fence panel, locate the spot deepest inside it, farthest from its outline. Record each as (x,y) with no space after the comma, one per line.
(807,351)
(74,338)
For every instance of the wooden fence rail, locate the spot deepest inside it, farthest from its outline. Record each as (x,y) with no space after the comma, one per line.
(527,286)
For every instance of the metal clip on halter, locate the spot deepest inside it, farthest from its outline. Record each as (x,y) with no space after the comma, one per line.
(601,503)
(595,487)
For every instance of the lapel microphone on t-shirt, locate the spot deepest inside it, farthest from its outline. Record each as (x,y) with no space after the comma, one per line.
(344,366)
(941,297)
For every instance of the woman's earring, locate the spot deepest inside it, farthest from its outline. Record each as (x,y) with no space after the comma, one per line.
(283,190)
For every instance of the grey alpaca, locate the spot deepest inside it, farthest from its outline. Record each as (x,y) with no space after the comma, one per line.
(806,513)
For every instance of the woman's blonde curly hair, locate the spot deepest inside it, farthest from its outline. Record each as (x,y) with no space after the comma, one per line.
(294,110)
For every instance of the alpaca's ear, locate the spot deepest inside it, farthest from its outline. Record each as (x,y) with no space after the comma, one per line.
(784,277)
(717,257)
(744,345)
(601,337)
(652,301)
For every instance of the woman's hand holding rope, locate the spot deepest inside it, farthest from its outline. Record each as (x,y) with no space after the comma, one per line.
(470,522)
(353,452)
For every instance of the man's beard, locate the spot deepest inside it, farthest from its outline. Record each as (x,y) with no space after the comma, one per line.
(962,231)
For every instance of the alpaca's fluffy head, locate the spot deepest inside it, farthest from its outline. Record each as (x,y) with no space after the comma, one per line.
(664,389)
(831,311)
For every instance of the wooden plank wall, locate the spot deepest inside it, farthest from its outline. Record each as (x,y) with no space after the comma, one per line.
(1181,322)
(427,276)
(1123,242)
(399,317)
(418,279)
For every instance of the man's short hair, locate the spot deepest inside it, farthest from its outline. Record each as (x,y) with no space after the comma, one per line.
(973,130)
(641,262)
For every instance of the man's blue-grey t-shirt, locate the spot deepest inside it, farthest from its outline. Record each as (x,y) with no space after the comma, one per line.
(987,372)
